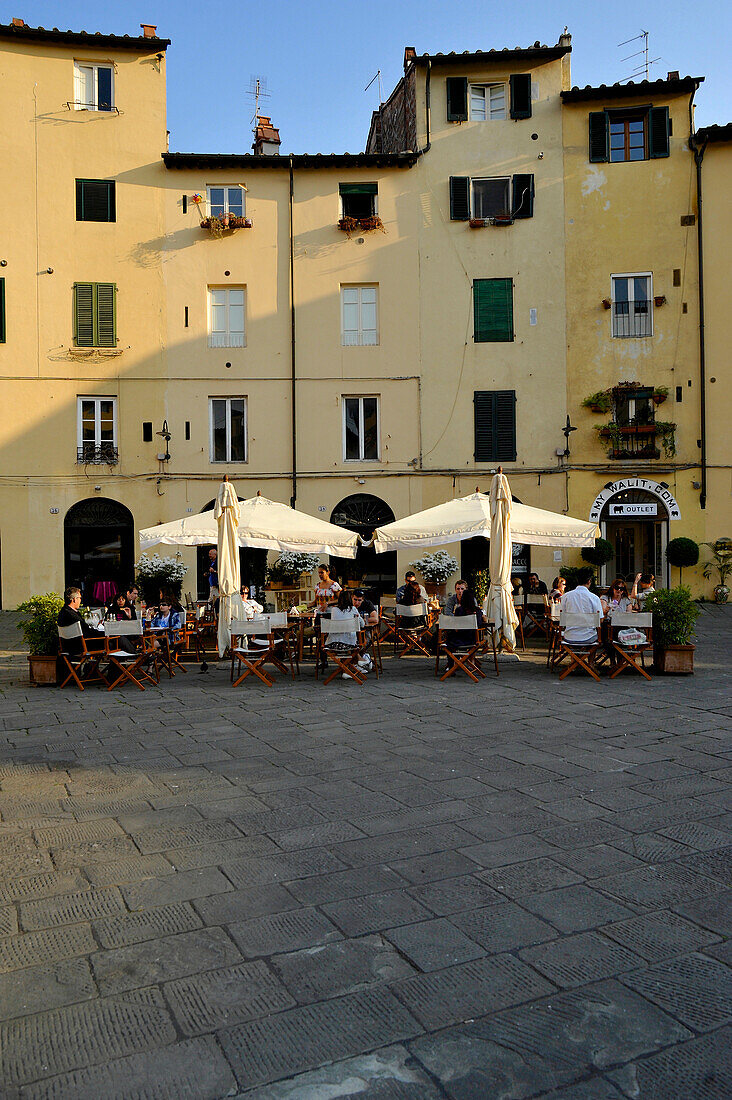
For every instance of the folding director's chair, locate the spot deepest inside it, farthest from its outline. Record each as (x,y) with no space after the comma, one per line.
(463,656)
(580,654)
(413,638)
(136,666)
(626,654)
(534,617)
(253,644)
(82,666)
(387,619)
(345,660)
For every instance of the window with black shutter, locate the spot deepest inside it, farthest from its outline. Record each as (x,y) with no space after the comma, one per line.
(459,198)
(495,425)
(520,95)
(523,196)
(457,99)
(358,200)
(628,134)
(2,311)
(95,201)
(493,310)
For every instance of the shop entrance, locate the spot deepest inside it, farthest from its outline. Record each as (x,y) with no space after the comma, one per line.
(635,523)
(98,548)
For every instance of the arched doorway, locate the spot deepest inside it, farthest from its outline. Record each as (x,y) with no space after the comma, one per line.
(634,515)
(252,565)
(376,572)
(98,546)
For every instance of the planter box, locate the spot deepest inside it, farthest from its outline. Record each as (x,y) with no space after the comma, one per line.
(674,659)
(42,669)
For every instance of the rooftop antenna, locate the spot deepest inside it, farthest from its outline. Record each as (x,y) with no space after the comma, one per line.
(642,68)
(257,90)
(377,77)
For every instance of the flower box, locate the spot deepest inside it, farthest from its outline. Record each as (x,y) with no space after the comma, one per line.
(362,225)
(216,226)
(477,223)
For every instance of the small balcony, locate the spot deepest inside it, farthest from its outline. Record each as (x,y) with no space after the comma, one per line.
(92,454)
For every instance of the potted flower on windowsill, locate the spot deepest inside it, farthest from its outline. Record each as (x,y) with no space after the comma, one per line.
(40,632)
(674,615)
(600,402)
(349,225)
(436,569)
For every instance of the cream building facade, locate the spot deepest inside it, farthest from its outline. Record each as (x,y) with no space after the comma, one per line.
(363,336)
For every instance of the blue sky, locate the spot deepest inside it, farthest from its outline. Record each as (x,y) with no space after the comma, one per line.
(317,58)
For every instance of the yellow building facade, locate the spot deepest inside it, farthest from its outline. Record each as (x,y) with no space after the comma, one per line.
(363,336)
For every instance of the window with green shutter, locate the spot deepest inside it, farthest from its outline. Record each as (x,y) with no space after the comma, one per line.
(95,201)
(2,311)
(493,310)
(495,425)
(95,315)
(457,99)
(520,95)
(628,134)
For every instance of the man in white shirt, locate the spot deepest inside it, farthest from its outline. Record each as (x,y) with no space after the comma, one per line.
(583,602)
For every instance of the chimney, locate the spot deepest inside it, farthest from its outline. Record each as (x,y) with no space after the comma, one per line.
(149,30)
(266,138)
(18,23)
(673,75)
(565,38)
(409,55)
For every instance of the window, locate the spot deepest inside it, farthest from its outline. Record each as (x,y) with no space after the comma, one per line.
(2,311)
(493,310)
(359,321)
(495,425)
(625,135)
(490,197)
(96,432)
(95,201)
(487,102)
(226,317)
(632,305)
(634,407)
(226,200)
(93,87)
(95,315)
(358,200)
(360,429)
(228,429)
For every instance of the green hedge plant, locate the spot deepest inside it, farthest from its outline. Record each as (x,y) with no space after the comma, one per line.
(40,629)
(674,615)
(683,553)
(599,554)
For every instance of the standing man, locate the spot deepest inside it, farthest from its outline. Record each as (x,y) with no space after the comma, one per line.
(213,575)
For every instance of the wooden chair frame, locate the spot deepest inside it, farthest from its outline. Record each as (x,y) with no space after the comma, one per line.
(387,619)
(554,633)
(465,661)
(411,638)
(74,663)
(534,616)
(254,659)
(130,665)
(345,663)
(626,663)
(580,654)
(518,608)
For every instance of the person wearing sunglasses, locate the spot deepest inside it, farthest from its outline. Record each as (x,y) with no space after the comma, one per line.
(617,598)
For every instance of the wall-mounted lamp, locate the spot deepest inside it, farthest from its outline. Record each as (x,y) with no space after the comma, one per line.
(167,437)
(566,432)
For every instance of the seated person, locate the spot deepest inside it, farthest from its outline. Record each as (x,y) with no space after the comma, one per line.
(411,577)
(411,596)
(460,639)
(70,614)
(535,586)
(581,601)
(643,586)
(454,599)
(517,588)
(119,610)
(370,615)
(344,643)
(558,586)
(617,598)
(250,607)
(166,618)
(133,595)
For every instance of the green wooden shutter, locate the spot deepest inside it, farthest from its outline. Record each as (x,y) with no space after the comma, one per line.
(457,99)
(95,201)
(520,95)
(358,188)
(522,205)
(2,311)
(493,310)
(495,425)
(506,426)
(106,315)
(459,198)
(484,418)
(84,315)
(599,130)
(658,131)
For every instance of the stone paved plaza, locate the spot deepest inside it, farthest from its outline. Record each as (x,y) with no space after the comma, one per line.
(408,890)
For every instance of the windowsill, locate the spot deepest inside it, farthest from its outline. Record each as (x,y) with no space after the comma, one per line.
(226,347)
(496,220)
(228,462)
(362,461)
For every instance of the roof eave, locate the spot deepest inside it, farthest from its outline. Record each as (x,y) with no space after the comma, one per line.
(282,161)
(138,43)
(631,90)
(530,53)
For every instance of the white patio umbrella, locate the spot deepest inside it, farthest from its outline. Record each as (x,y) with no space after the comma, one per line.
(501,613)
(226,514)
(263,524)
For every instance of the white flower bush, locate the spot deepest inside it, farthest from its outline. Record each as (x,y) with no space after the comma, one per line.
(167,569)
(436,568)
(293,564)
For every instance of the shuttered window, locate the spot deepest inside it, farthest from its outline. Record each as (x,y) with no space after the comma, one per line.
(520,95)
(626,135)
(93,87)
(491,197)
(459,198)
(95,315)
(493,310)
(95,201)
(2,311)
(522,205)
(495,425)
(358,200)
(457,99)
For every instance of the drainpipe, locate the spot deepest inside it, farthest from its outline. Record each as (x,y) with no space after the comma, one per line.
(293,372)
(427,104)
(699,151)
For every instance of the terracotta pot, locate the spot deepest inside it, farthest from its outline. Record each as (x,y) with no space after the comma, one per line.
(434,589)
(674,659)
(42,669)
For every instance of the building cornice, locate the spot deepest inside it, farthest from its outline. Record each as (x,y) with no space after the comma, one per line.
(676,86)
(139,43)
(299,160)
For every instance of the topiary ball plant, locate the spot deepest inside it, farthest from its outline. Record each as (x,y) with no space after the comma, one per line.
(599,554)
(682,552)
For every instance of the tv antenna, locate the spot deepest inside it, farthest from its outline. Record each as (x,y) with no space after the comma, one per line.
(257,91)
(643,67)
(377,77)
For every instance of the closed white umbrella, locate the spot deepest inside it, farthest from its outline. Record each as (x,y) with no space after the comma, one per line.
(226,514)
(501,613)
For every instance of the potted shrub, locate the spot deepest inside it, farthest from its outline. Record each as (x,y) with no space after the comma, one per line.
(674,615)
(155,574)
(660,394)
(599,554)
(721,564)
(600,402)
(40,633)
(682,553)
(292,569)
(436,568)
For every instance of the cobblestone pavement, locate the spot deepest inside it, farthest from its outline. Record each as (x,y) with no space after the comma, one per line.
(408,890)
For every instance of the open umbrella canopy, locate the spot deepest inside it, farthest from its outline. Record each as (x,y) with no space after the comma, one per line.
(263,524)
(466,517)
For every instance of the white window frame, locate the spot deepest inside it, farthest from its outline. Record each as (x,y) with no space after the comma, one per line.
(228,399)
(360,331)
(486,89)
(98,442)
(226,339)
(361,397)
(95,66)
(226,187)
(479,179)
(631,275)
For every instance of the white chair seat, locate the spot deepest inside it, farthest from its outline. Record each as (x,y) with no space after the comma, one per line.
(122,654)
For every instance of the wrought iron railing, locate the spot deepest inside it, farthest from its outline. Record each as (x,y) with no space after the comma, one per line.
(636,442)
(91,454)
(632,318)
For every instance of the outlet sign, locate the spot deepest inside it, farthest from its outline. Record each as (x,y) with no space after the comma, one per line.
(633,509)
(652,487)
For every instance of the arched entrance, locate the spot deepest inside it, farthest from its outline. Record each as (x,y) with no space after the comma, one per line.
(634,515)
(376,572)
(252,565)
(98,546)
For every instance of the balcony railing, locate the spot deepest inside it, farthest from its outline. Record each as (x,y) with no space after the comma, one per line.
(636,442)
(632,319)
(100,455)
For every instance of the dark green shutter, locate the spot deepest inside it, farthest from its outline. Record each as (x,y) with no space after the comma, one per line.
(84,315)
(106,315)
(493,310)
(599,137)
(95,201)
(520,95)
(358,188)
(658,131)
(95,315)
(459,198)
(457,99)
(2,311)
(495,425)
(523,196)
